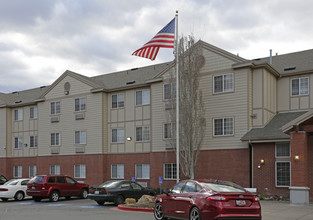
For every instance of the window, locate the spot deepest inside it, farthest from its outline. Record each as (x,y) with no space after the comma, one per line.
(118,101)
(33,141)
(17,171)
(32,170)
(80,137)
(142,133)
(169,130)
(169,91)
(191,187)
(223,126)
(18,142)
(60,179)
(143,97)
(282,150)
(33,112)
(55,108)
(80,104)
(117,171)
(178,187)
(170,171)
(224,83)
(18,114)
(118,135)
(283,174)
(80,171)
(55,139)
(300,86)
(142,171)
(55,170)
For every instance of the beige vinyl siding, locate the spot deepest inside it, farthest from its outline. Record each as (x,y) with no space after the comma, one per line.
(233,104)
(67,124)
(215,62)
(286,102)
(159,117)
(3,132)
(24,129)
(128,117)
(269,91)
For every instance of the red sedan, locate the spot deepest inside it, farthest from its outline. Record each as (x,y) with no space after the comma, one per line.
(207,200)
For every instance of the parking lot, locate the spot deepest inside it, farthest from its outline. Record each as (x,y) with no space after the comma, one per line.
(80,209)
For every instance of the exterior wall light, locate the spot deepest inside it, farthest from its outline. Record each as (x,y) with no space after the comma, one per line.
(297,157)
(129,138)
(262,161)
(25,145)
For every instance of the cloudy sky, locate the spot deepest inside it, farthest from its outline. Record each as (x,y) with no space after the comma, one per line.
(40,39)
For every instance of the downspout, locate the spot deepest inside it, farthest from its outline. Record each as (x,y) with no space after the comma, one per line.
(251,163)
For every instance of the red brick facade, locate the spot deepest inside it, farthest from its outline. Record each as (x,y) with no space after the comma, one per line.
(232,165)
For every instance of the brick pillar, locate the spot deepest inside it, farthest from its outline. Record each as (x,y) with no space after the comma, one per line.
(299,191)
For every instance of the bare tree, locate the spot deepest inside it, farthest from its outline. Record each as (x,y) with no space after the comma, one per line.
(191,107)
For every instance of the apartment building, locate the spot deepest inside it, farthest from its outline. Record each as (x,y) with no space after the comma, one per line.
(115,126)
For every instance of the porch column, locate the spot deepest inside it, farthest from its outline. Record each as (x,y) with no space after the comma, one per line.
(299,190)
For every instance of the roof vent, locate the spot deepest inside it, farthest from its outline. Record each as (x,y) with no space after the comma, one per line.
(19,101)
(134,69)
(289,68)
(41,87)
(15,92)
(257,59)
(131,82)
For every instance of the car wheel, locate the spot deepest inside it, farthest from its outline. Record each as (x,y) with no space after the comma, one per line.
(158,212)
(119,200)
(100,202)
(84,194)
(195,214)
(4,199)
(54,196)
(19,196)
(36,198)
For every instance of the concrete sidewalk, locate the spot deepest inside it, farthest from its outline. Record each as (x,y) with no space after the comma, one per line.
(273,210)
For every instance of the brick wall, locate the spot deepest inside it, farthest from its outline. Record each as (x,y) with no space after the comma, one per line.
(264,177)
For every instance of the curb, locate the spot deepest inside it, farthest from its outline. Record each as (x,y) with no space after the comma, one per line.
(134,209)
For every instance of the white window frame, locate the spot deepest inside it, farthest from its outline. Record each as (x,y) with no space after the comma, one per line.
(33,112)
(32,170)
(55,108)
(119,171)
(144,130)
(80,137)
(224,127)
(80,171)
(56,168)
(18,114)
(224,90)
(300,92)
(276,162)
(276,156)
(80,104)
(33,141)
(172,130)
(144,97)
(144,170)
(57,139)
(120,101)
(120,135)
(171,94)
(173,174)
(18,143)
(17,171)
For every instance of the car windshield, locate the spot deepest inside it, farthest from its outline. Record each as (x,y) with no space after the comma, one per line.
(223,187)
(37,179)
(110,184)
(11,182)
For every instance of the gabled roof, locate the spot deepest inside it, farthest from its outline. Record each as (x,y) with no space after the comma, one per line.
(272,131)
(286,64)
(21,98)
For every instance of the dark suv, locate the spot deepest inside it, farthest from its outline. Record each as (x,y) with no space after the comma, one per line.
(2,179)
(54,187)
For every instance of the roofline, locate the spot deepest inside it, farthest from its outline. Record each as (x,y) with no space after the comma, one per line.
(252,65)
(265,140)
(297,121)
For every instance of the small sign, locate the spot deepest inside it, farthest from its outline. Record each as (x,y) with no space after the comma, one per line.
(133,179)
(160,180)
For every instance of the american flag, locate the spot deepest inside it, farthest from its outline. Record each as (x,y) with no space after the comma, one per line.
(164,38)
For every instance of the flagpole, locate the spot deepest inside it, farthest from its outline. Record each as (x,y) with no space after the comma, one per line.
(177,98)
